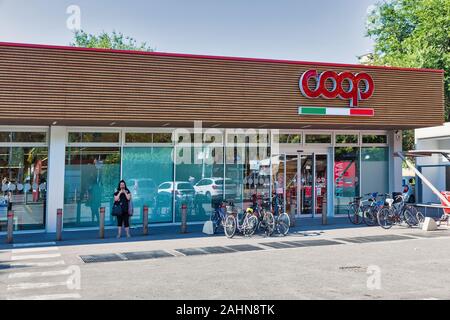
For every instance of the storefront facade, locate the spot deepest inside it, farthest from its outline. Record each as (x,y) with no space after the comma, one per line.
(198,130)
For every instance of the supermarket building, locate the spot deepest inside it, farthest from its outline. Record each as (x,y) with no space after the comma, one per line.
(198,129)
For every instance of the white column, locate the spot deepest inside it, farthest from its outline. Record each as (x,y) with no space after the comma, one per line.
(56,166)
(395,166)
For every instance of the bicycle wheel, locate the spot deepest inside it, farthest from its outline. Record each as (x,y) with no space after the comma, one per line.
(385,218)
(420,218)
(283,224)
(268,223)
(370,216)
(230,226)
(354,214)
(250,225)
(409,215)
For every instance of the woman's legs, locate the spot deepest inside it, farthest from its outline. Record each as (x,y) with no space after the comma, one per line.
(119,226)
(126,222)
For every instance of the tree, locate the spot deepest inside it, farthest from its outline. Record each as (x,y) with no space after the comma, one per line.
(412,33)
(115,40)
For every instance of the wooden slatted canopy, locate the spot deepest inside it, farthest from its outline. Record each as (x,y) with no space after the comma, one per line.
(85,87)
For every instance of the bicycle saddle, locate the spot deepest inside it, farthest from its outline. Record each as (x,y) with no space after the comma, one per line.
(389,202)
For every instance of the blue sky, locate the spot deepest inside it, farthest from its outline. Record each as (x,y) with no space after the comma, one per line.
(321,30)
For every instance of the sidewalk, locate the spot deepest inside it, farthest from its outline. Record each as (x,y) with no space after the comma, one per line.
(158,233)
(170,235)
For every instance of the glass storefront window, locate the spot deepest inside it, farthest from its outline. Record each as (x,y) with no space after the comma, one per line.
(346,138)
(199,181)
(149,176)
(91,178)
(346,177)
(374,170)
(94,137)
(289,138)
(318,138)
(23,172)
(148,137)
(382,139)
(23,137)
(248,169)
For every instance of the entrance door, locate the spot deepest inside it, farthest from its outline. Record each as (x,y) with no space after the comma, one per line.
(312,183)
(300,181)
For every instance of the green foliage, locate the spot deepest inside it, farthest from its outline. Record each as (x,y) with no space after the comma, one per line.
(115,40)
(413,33)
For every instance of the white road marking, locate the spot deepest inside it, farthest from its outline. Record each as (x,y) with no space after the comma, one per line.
(50,297)
(28,286)
(37,244)
(39,274)
(38,264)
(30,250)
(35,256)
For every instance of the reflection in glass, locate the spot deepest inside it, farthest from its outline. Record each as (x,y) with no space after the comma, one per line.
(375,139)
(21,166)
(199,181)
(318,138)
(346,138)
(149,176)
(248,168)
(91,178)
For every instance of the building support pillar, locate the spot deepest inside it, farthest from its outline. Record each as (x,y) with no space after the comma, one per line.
(395,163)
(55,177)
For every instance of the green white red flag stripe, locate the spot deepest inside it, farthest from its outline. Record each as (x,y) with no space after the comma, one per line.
(336,111)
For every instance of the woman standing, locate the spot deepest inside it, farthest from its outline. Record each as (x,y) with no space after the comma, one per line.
(123,197)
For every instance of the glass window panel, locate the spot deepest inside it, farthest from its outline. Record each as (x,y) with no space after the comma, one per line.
(23,173)
(318,138)
(91,178)
(374,170)
(374,139)
(248,173)
(289,138)
(346,177)
(346,138)
(5,136)
(94,137)
(198,169)
(23,137)
(162,138)
(149,175)
(138,137)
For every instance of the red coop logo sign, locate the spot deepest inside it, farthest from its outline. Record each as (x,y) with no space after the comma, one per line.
(344,85)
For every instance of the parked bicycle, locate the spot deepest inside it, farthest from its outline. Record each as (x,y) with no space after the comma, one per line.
(266,219)
(245,225)
(220,215)
(396,211)
(370,214)
(282,220)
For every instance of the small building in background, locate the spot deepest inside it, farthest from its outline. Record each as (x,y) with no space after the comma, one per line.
(435,168)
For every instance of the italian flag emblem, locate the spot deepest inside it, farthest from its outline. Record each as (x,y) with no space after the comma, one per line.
(336,111)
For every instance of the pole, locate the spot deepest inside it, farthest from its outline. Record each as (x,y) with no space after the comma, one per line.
(184,218)
(324,209)
(424,180)
(292,209)
(10,227)
(59,223)
(102,223)
(145,220)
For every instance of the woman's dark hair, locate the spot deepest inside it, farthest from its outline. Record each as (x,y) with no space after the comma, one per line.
(122,181)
